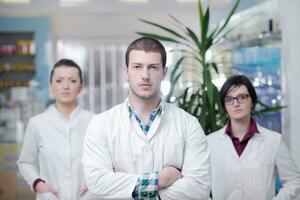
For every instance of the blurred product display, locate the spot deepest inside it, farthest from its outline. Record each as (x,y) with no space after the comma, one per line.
(23,85)
(254,49)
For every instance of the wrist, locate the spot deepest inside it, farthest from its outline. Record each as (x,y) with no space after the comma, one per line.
(161,181)
(36,182)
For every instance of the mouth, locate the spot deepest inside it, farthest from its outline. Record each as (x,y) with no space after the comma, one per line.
(145,85)
(237,111)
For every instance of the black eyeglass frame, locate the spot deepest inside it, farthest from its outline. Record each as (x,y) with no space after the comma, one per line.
(241,98)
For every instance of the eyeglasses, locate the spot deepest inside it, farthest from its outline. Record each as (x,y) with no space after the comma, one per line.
(242,98)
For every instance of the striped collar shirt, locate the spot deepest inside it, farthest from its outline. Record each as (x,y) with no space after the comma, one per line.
(145,128)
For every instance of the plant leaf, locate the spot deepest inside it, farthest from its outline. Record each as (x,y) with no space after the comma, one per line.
(159,37)
(179,24)
(269,109)
(215,67)
(163,28)
(228,17)
(211,35)
(194,38)
(200,13)
(205,25)
(173,84)
(176,67)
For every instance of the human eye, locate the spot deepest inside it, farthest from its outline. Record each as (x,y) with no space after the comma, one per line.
(228,99)
(242,97)
(73,81)
(154,67)
(58,81)
(136,67)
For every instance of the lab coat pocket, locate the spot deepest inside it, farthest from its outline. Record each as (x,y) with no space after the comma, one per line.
(46,196)
(258,178)
(267,174)
(89,196)
(173,152)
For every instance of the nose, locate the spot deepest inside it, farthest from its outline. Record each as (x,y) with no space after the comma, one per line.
(66,84)
(145,73)
(235,102)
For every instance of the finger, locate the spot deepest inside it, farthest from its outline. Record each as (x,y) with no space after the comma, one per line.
(56,194)
(83,191)
(54,191)
(181,175)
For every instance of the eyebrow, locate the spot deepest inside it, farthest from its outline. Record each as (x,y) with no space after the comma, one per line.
(236,95)
(136,63)
(147,65)
(61,77)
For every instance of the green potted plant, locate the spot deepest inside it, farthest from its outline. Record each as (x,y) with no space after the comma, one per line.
(202,101)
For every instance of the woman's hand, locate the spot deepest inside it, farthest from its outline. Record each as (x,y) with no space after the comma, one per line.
(83,190)
(42,187)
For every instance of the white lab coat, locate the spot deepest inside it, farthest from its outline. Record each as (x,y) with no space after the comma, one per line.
(175,139)
(251,176)
(52,151)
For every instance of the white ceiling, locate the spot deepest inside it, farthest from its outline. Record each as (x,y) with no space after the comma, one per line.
(38,7)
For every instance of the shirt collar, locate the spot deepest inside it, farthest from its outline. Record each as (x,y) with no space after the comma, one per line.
(157,111)
(250,132)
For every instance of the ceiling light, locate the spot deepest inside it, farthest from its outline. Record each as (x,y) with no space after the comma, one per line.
(16,1)
(135,1)
(219,3)
(72,2)
(187,1)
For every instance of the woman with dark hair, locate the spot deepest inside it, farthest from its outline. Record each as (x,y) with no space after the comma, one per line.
(244,155)
(50,159)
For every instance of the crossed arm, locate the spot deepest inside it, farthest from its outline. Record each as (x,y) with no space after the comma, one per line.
(190,182)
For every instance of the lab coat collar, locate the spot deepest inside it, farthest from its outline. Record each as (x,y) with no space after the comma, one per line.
(73,114)
(162,104)
(257,136)
(154,126)
(254,142)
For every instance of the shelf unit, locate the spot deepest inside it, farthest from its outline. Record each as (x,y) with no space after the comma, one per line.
(17,54)
(25,56)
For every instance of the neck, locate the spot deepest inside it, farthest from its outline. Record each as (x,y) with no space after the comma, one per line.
(240,127)
(144,107)
(65,109)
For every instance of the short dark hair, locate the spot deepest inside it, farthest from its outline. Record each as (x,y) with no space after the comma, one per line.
(66,63)
(236,81)
(147,44)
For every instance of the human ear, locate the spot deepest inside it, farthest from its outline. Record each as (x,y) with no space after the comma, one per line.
(125,72)
(165,71)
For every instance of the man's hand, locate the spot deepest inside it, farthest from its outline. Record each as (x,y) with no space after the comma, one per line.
(83,190)
(42,187)
(167,176)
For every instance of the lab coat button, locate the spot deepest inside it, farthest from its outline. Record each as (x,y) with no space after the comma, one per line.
(150,194)
(147,148)
(144,194)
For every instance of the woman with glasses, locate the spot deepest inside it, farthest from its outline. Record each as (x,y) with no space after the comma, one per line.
(244,155)
(50,159)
